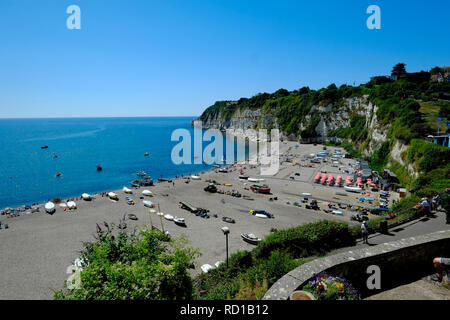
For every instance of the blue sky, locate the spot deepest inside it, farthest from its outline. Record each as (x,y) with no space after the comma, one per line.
(175,58)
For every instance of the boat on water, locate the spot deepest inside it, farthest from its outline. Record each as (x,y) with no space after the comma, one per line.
(146,182)
(168,217)
(146,154)
(250,238)
(179,221)
(148,204)
(58,174)
(44,147)
(141,174)
(147,193)
(113,196)
(86,197)
(127,190)
(228,219)
(352,189)
(49,207)
(99,168)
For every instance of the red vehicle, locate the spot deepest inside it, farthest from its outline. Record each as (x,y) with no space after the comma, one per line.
(260,189)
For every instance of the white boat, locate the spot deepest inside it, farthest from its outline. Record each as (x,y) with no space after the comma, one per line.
(86,196)
(259,215)
(195,178)
(206,267)
(306,194)
(147,193)
(255,179)
(127,190)
(148,204)
(112,195)
(49,207)
(352,189)
(179,221)
(63,205)
(339,213)
(242,177)
(168,217)
(71,205)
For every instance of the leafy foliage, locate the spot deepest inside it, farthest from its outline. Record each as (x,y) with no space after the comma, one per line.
(133,266)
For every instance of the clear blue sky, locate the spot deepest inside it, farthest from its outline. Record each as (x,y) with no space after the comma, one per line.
(175,58)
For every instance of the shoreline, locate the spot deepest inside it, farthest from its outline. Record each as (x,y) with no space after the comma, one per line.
(37,248)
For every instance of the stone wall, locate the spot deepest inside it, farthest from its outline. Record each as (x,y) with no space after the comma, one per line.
(400,262)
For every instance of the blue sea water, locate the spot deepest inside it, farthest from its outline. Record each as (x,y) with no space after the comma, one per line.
(27,172)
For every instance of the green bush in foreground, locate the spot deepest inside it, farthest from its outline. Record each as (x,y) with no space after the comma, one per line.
(121,265)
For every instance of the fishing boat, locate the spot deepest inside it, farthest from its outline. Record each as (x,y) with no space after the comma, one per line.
(49,207)
(260,189)
(44,147)
(228,219)
(113,196)
(127,190)
(99,168)
(179,221)
(352,189)
(148,204)
(250,238)
(147,193)
(146,154)
(168,217)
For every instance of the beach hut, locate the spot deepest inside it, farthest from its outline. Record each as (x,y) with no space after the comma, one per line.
(317,177)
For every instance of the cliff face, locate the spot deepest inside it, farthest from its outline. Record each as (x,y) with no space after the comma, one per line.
(324,118)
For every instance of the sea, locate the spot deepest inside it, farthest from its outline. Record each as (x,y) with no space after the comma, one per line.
(76,146)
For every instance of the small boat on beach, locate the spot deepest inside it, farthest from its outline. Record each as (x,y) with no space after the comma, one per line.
(49,207)
(179,221)
(164,180)
(352,189)
(228,219)
(255,179)
(242,177)
(71,205)
(223,170)
(260,189)
(147,193)
(250,238)
(86,197)
(168,217)
(127,190)
(113,196)
(195,178)
(148,204)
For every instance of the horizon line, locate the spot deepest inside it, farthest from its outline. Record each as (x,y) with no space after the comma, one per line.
(94,117)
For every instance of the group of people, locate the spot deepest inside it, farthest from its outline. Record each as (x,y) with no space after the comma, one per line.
(425,205)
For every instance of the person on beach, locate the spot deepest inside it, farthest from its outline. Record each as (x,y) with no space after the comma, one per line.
(365,232)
